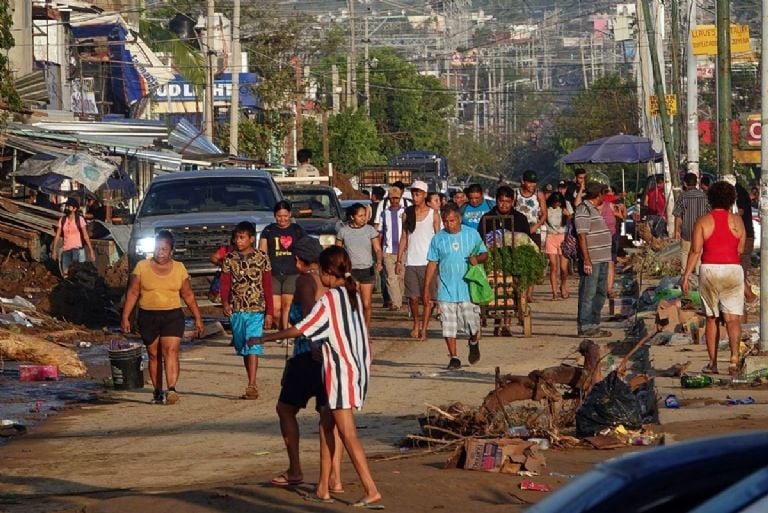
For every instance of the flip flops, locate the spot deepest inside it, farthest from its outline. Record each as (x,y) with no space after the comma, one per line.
(314,498)
(362,503)
(710,369)
(282,480)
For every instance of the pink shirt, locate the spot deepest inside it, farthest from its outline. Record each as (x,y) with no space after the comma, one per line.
(610,218)
(71,235)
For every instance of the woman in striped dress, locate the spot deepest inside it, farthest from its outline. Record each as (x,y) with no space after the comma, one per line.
(338,318)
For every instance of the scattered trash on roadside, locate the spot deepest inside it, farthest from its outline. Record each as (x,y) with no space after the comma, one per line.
(696,381)
(730,401)
(671,401)
(38,373)
(560,474)
(536,487)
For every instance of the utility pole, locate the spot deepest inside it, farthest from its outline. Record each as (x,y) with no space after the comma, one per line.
(326,145)
(298,70)
(675,43)
(352,56)
(476,112)
(367,73)
(764,179)
(724,149)
(234,107)
(335,93)
(659,90)
(692,98)
(209,27)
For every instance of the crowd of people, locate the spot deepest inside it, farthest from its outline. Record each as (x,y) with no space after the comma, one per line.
(418,245)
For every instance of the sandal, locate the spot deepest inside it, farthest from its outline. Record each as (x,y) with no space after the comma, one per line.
(284,480)
(251,393)
(733,369)
(710,369)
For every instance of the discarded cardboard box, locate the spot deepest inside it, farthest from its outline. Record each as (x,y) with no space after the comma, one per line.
(506,455)
(668,314)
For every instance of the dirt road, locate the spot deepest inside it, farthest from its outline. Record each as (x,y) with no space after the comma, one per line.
(213,452)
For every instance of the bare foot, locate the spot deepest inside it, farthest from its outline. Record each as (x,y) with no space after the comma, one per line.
(415,333)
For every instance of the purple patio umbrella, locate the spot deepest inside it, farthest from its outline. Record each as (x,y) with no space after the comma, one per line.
(619,149)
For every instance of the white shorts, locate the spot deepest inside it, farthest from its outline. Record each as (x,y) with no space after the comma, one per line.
(455,316)
(722,289)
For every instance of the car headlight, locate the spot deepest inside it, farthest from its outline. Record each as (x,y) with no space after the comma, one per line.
(327,239)
(145,245)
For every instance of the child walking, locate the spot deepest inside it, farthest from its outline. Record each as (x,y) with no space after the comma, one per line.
(450,254)
(338,318)
(246,296)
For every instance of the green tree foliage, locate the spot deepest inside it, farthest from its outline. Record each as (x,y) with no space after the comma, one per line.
(471,158)
(187,60)
(411,111)
(353,141)
(255,139)
(8,92)
(607,108)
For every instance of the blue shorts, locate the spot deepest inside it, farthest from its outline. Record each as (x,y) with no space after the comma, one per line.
(247,325)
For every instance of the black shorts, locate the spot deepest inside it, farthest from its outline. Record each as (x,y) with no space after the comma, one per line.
(366,275)
(160,323)
(302,380)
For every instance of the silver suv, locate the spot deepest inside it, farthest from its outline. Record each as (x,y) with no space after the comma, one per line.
(201,208)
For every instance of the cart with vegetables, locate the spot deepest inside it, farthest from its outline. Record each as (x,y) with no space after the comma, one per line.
(513,264)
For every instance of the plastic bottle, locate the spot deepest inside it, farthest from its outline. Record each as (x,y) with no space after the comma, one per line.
(696,381)
(760,373)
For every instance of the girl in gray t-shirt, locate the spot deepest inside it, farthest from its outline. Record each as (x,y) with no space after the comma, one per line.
(361,241)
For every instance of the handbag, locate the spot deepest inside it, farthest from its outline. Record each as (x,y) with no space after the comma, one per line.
(569,246)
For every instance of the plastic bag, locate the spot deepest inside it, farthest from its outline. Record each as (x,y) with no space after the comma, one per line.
(480,291)
(609,403)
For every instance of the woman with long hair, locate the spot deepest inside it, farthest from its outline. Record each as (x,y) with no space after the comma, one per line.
(277,241)
(336,324)
(361,241)
(303,375)
(557,221)
(158,285)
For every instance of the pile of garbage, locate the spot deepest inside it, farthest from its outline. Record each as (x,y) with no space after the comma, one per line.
(561,406)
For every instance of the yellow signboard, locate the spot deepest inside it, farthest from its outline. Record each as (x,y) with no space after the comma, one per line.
(669,99)
(705,39)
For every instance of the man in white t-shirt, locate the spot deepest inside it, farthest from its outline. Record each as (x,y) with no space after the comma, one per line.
(420,224)
(390,226)
(305,167)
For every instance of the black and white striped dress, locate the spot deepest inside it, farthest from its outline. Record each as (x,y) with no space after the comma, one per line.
(346,352)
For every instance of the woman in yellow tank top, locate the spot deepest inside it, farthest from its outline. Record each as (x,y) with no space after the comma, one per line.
(158,285)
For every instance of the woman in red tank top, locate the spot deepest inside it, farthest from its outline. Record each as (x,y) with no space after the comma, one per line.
(722,246)
(719,238)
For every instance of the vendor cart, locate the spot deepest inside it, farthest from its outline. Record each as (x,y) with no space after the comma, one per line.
(509,301)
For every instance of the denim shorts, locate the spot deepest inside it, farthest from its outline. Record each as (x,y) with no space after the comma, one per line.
(70,256)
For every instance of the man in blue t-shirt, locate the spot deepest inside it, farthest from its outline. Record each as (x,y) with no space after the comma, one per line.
(451,252)
(476,206)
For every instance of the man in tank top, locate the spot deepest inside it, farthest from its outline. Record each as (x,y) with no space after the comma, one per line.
(719,238)
(420,224)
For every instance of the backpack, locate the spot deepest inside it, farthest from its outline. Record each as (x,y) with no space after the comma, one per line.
(78,217)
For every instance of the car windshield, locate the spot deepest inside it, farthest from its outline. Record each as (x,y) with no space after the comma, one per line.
(311,204)
(220,194)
